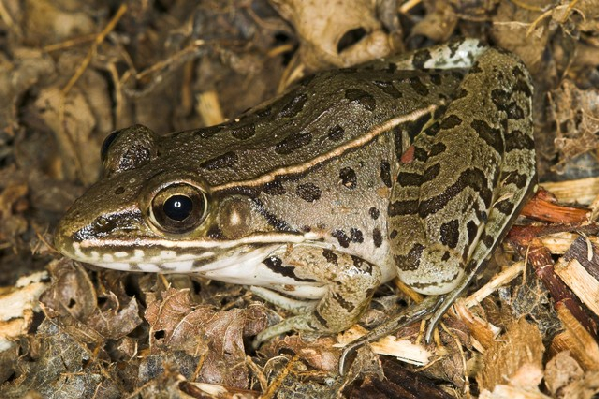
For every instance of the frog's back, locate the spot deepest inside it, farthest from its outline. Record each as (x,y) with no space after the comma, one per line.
(318,120)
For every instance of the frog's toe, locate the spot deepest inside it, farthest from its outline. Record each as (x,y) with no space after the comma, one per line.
(303,322)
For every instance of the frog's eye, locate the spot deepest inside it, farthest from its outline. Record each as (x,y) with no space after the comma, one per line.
(178,209)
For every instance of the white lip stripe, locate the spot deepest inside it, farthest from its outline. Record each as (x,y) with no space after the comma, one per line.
(200,244)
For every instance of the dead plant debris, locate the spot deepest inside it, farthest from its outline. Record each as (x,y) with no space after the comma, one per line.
(72,71)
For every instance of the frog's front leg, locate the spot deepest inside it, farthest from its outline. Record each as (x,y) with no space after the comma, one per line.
(349,281)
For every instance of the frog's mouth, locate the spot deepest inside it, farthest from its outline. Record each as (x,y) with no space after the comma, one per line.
(240,261)
(202,255)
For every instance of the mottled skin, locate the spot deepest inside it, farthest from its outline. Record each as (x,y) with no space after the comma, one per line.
(318,195)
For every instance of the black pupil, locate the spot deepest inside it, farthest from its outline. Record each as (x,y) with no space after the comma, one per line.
(178,207)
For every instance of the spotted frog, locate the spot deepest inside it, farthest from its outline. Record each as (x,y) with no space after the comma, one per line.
(411,167)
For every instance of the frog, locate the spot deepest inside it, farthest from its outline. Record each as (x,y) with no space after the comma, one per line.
(411,167)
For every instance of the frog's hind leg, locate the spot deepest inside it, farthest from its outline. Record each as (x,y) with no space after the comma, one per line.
(441,197)
(457,198)
(349,280)
(517,174)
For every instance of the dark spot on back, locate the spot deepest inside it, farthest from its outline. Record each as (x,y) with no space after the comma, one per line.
(431,172)
(420,154)
(208,131)
(461,93)
(377,238)
(414,128)
(515,111)
(293,107)
(388,88)
(274,187)
(517,71)
(500,97)
(243,132)
(374,213)
(523,86)
(292,142)
(433,129)
(437,149)
(515,178)
(336,133)
(361,97)
(227,159)
(348,177)
(309,192)
(341,237)
(330,256)
(450,122)
(518,140)
(417,85)
(356,235)
(490,135)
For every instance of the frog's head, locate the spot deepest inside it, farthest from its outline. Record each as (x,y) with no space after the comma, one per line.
(151,211)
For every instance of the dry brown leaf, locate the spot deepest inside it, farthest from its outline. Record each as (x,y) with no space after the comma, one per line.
(439,21)
(48,21)
(215,338)
(116,322)
(73,127)
(322,25)
(13,190)
(18,75)
(319,354)
(71,292)
(510,27)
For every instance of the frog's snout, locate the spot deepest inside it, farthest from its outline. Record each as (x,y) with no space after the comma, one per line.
(63,237)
